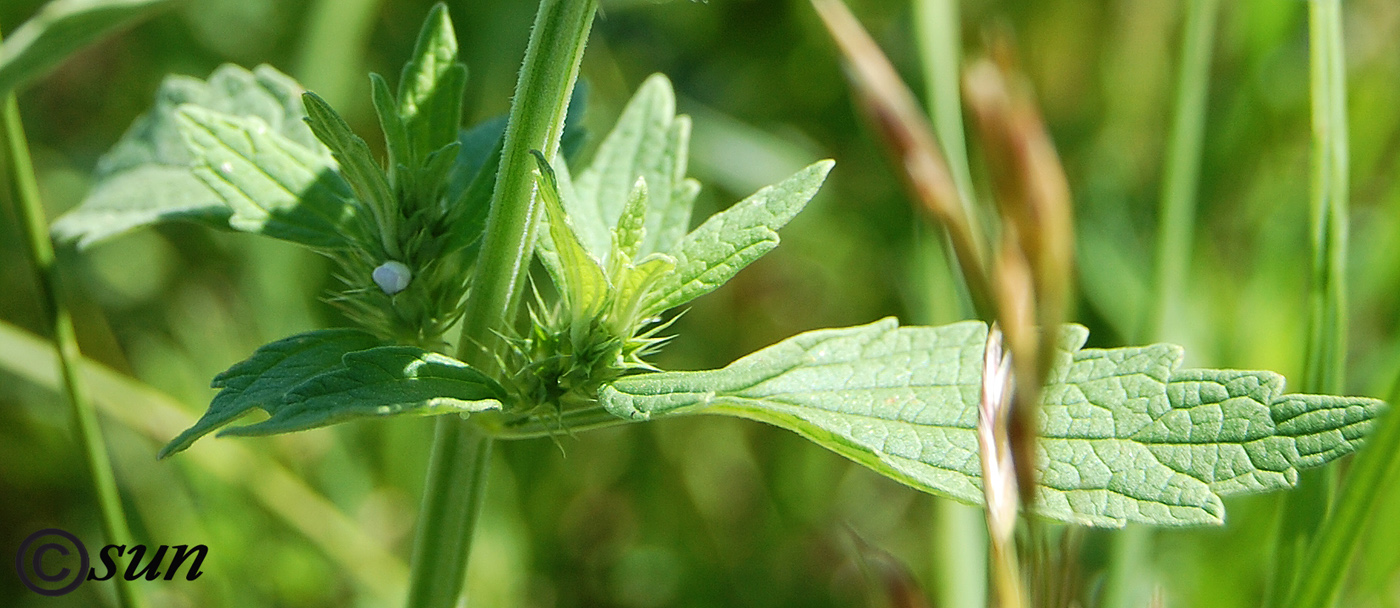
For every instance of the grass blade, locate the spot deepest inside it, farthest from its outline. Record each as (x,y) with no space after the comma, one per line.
(1311,537)
(1324,369)
(158,417)
(24,191)
(61,28)
(1180,184)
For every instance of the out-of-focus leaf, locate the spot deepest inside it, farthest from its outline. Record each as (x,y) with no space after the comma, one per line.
(274,186)
(147,177)
(1125,435)
(60,29)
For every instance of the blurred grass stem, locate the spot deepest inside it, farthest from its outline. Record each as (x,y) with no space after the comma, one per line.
(1181,176)
(157,416)
(24,192)
(331,58)
(457,468)
(959,541)
(902,125)
(1127,582)
(1309,509)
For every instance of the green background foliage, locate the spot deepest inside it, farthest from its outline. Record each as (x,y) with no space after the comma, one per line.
(701,511)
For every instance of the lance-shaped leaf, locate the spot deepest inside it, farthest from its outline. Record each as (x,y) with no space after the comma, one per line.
(262,380)
(351,152)
(273,185)
(576,273)
(1125,435)
(730,240)
(649,141)
(378,382)
(60,29)
(148,177)
(431,89)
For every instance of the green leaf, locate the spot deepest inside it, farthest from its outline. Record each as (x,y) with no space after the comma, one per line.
(357,164)
(395,133)
(148,177)
(275,186)
(576,273)
(263,379)
(651,142)
(431,88)
(631,227)
(732,239)
(378,382)
(327,376)
(61,28)
(1125,435)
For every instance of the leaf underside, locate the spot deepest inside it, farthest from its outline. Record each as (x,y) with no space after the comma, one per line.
(328,376)
(1126,435)
(148,176)
(273,185)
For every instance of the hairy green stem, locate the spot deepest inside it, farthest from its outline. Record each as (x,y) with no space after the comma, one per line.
(460,454)
(455,487)
(1306,509)
(24,191)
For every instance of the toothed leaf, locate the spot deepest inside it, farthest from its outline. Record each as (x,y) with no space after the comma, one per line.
(378,382)
(262,380)
(148,176)
(649,141)
(1125,435)
(274,186)
(732,239)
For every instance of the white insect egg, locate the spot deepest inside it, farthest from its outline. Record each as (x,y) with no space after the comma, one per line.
(392,276)
(226,168)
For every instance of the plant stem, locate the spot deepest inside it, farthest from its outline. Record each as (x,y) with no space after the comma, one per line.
(938,29)
(1181,175)
(1128,577)
(455,487)
(333,47)
(960,537)
(457,470)
(1327,324)
(1306,509)
(24,189)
